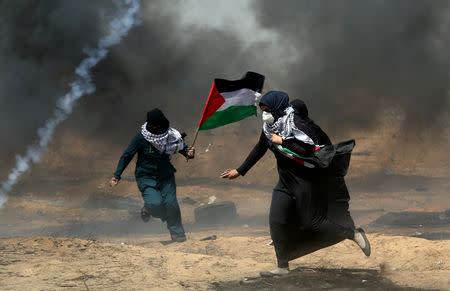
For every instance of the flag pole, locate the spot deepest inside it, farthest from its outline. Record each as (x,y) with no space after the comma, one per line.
(195,137)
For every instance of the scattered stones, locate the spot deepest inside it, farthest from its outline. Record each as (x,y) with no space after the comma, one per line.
(421,189)
(211,237)
(413,219)
(315,279)
(212,199)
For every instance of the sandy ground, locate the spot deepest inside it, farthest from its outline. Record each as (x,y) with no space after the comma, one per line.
(65,229)
(58,243)
(51,263)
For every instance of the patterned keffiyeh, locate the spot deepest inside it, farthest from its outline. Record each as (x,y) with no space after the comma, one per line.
(169,142)
(285,127)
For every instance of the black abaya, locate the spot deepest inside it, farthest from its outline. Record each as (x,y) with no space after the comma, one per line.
(309,208)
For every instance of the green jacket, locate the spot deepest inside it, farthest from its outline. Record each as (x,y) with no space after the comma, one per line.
(151,164)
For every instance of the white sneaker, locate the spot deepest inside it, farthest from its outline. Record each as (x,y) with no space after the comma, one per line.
(276,272)
(361,240)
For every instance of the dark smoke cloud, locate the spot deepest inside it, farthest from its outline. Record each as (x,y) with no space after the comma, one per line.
(357,58)
(159,64)
(41,43)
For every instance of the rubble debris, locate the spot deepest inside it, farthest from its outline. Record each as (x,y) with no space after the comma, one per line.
(249,278)
(212,199)
(433,235)
(413,219)
(315,279)
(211,237)
(421,189)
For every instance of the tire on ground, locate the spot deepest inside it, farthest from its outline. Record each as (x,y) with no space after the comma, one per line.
(216,213)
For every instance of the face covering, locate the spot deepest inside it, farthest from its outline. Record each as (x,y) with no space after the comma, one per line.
(267,117)
(277,101)
(157,130)
(157,123)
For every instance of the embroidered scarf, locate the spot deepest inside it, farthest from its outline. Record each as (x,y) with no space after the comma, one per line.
(285,127)
(169,142)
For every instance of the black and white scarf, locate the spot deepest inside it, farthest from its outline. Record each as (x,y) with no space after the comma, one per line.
(285,127)
(169,142)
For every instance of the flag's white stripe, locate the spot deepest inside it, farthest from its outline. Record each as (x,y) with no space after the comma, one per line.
(241,97)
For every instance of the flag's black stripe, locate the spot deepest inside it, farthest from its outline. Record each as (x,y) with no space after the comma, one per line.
(251,80)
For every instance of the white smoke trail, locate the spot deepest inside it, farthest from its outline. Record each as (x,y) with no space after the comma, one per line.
(127,17)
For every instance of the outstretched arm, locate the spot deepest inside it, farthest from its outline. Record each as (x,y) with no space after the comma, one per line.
(255,155)
(126,158)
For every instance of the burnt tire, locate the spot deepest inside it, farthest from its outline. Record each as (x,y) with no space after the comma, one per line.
(216,213)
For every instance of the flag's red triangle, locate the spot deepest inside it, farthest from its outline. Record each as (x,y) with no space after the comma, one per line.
(215,100)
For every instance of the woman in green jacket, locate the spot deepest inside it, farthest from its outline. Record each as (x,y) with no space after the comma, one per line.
(154,173)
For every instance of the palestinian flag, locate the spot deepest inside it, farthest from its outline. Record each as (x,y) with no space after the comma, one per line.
(231,101)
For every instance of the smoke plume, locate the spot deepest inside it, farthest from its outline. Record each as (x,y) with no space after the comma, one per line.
(351,61)
(119,26)
(358,58)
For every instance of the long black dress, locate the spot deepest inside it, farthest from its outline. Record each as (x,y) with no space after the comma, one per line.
(309,207)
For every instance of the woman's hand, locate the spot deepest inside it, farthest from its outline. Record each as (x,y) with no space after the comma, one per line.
(191,152)
(276,139)
(113,182)
(230,174)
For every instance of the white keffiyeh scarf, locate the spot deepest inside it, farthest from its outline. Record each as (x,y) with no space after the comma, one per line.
(285,127)
(169,142)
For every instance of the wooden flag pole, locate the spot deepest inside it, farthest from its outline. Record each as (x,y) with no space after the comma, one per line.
(195,137)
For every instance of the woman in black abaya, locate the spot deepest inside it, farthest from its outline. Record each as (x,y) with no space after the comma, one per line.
(309,207)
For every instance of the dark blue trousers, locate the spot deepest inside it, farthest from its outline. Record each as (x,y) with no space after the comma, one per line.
(160,199)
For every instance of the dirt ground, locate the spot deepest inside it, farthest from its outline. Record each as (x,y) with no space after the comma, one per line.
(54,243)
(52,263)
(66,230)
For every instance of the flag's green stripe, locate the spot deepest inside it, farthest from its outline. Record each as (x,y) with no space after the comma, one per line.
(286,151)
(229,115)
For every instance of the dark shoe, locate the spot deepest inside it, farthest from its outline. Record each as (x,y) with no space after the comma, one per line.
(277,272)
(145,214)
(361,240)
(177,238)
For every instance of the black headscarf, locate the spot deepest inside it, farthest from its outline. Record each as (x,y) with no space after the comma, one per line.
(300,108)
(157,123)
(277,102)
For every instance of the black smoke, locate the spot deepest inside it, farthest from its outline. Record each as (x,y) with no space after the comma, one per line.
(355,59)
(159,64)
(358,58)
(41,43)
